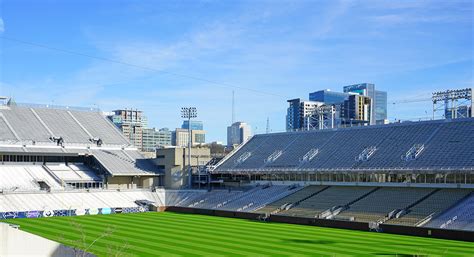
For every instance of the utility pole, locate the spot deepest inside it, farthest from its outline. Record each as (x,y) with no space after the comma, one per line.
(189,113)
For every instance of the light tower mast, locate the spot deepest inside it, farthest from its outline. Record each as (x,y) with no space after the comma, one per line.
(189,113)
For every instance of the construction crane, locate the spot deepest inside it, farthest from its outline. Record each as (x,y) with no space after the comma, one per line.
(412,101)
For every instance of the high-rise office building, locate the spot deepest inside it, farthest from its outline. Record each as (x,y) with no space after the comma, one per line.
(328,97)
(356,110)
(238,133)
(378,103)
(130,122)
(299,113)
(180,137)
(153,139)
(195,125)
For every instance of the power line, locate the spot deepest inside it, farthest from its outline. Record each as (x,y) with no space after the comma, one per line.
(216,83)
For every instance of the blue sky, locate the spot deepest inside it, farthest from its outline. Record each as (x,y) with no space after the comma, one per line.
(267,51)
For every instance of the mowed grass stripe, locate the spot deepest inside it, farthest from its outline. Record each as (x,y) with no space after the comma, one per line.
(427,242)
(312,229)
(357,242)
(264,239)
(146,251)
(140,241)
(192,239)
(165,230)
(162,222)
(263,235)
(207,217)
(230,238)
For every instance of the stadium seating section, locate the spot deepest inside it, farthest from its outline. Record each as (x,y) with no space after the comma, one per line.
(28,129)
(446,144)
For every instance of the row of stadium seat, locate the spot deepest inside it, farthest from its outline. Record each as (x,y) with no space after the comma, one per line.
(445,145)
(432,206)
(369,204)
(69,200)
(25,178)
(461,216)
(73,172)
(377,205)
(304,193)
(235,200)
(75,127)
(324,200)
(258,197)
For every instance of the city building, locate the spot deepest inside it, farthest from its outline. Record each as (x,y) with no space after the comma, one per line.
(299,114)
(130,122)
(237,133)
(356,110)
(174,162)
(378,103)
(328,97)
(153,139)
(195,125)
(180,137)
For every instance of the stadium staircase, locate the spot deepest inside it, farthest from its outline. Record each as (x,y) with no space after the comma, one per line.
(53,175)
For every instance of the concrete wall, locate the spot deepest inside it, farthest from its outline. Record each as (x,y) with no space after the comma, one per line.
(174,160)
(120,182)
(14,242)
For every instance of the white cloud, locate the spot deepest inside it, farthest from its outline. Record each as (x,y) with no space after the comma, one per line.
(2,25)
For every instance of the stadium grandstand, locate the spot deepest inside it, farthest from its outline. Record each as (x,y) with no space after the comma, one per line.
(414,174)
(70,161)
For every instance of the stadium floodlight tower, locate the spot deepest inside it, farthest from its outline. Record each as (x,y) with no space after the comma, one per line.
(324,116)
(189,113)
(457,103)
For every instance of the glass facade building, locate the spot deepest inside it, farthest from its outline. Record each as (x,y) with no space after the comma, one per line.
(379,100)
(195,125)
(328,97)
(153,139)
(380,106)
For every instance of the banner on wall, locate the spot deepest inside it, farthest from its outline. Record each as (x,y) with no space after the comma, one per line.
(73,212)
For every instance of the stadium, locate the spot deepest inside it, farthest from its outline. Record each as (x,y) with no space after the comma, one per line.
(68,174)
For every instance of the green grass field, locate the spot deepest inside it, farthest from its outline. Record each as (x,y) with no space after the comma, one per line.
(173,234)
